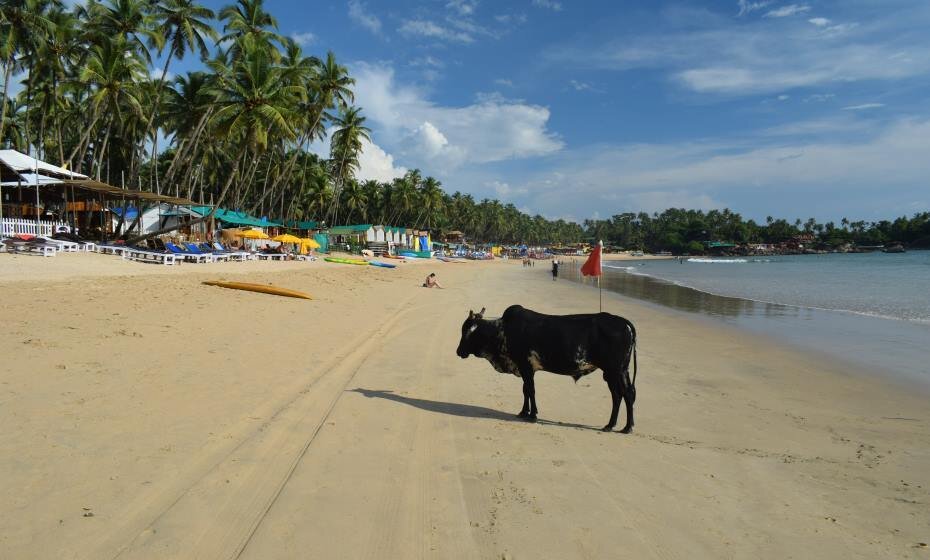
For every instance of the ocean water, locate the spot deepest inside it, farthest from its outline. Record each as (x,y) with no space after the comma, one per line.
(871,310)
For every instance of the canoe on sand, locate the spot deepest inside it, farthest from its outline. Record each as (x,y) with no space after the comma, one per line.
(382,264)
(345,261)
(261,288)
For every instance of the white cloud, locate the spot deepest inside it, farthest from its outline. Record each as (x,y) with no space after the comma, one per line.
(819,97)
(763,56)
(503,82)
(746,7)
(303,39)
(463,7)
(376,164)
(504,191)
(443,138)
(789,10)
(783,97)
(579,86)
(428,61)
(549,4)
(426,28)
(431,140)
(358,12)
(863,106)
(820,21)
(699,174)
(155,75)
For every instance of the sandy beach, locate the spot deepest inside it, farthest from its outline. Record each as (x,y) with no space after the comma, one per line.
(149,416)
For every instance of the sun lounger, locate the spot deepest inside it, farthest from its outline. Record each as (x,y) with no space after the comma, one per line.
(187,255)
(30,247)
(108,249)
(144,255)
(60,245)
(230,255)
(83,244)
(271,256)
(241,255)
(191,247)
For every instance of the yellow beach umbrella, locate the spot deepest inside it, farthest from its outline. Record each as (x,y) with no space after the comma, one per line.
(286,238)
(253,234)
(309,242)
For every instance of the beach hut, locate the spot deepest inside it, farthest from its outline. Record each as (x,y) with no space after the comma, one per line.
(160,216)
(39,198)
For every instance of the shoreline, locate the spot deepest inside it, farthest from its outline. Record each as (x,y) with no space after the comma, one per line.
(178,399)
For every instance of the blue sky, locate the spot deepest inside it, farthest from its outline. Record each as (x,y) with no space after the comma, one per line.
(590,108)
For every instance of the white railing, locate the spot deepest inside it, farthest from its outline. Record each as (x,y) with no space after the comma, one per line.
(17,226)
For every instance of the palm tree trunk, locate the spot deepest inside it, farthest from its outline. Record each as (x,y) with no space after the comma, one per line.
(8,70)
(219,201)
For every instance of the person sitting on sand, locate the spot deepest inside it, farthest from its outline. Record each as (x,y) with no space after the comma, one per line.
(431,281)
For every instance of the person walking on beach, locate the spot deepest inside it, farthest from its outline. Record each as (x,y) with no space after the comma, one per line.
(555,269)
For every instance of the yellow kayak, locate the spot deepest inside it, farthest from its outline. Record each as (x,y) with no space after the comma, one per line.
(344,261)
(262,288)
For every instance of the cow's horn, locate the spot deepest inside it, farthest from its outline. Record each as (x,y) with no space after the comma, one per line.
(481,313)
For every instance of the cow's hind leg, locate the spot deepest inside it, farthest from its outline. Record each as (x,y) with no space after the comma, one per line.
(629,395)
(613,383)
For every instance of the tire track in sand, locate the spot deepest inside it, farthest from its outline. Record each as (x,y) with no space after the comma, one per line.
(214,508)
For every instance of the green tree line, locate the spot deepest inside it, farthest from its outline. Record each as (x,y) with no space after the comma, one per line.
(687,231)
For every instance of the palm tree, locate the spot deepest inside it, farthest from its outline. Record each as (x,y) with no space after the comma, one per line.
(345,148)
(23,23)
(431,200)
(248,19)
(111,72)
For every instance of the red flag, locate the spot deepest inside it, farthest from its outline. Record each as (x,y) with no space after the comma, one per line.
(592,266)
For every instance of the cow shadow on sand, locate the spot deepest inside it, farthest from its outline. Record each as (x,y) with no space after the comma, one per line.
(458,409)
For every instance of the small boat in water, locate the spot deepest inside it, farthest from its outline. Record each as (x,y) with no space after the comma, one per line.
(896,248)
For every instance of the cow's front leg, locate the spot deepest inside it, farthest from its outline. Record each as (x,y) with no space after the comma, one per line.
(529,397)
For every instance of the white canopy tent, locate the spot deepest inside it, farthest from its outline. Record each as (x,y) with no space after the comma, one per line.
(18,170)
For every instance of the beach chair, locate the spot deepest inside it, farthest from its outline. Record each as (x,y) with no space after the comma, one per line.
(30,247)
(271,256)
(193,248)
(244,255)
(231,255)
(187,255)
(60,245)
(144,255)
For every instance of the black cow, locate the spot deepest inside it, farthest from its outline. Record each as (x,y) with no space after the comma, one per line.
(523,342)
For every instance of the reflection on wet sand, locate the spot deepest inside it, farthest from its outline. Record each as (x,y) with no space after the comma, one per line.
(680,297)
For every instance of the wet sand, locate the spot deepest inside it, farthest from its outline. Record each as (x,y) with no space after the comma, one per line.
(149,416)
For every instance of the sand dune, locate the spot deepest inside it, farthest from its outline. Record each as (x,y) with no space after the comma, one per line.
(148,416)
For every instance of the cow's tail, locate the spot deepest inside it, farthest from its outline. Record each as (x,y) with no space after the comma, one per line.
(632,350)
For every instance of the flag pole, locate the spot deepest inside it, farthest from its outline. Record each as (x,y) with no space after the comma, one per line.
(600,272)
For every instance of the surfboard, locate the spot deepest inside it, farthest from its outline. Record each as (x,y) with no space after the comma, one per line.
(345,261)
(261,288)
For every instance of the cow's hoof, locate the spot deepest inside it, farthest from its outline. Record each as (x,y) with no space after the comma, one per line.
(627,430)
(531,418)
(607,428)
(522,414)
